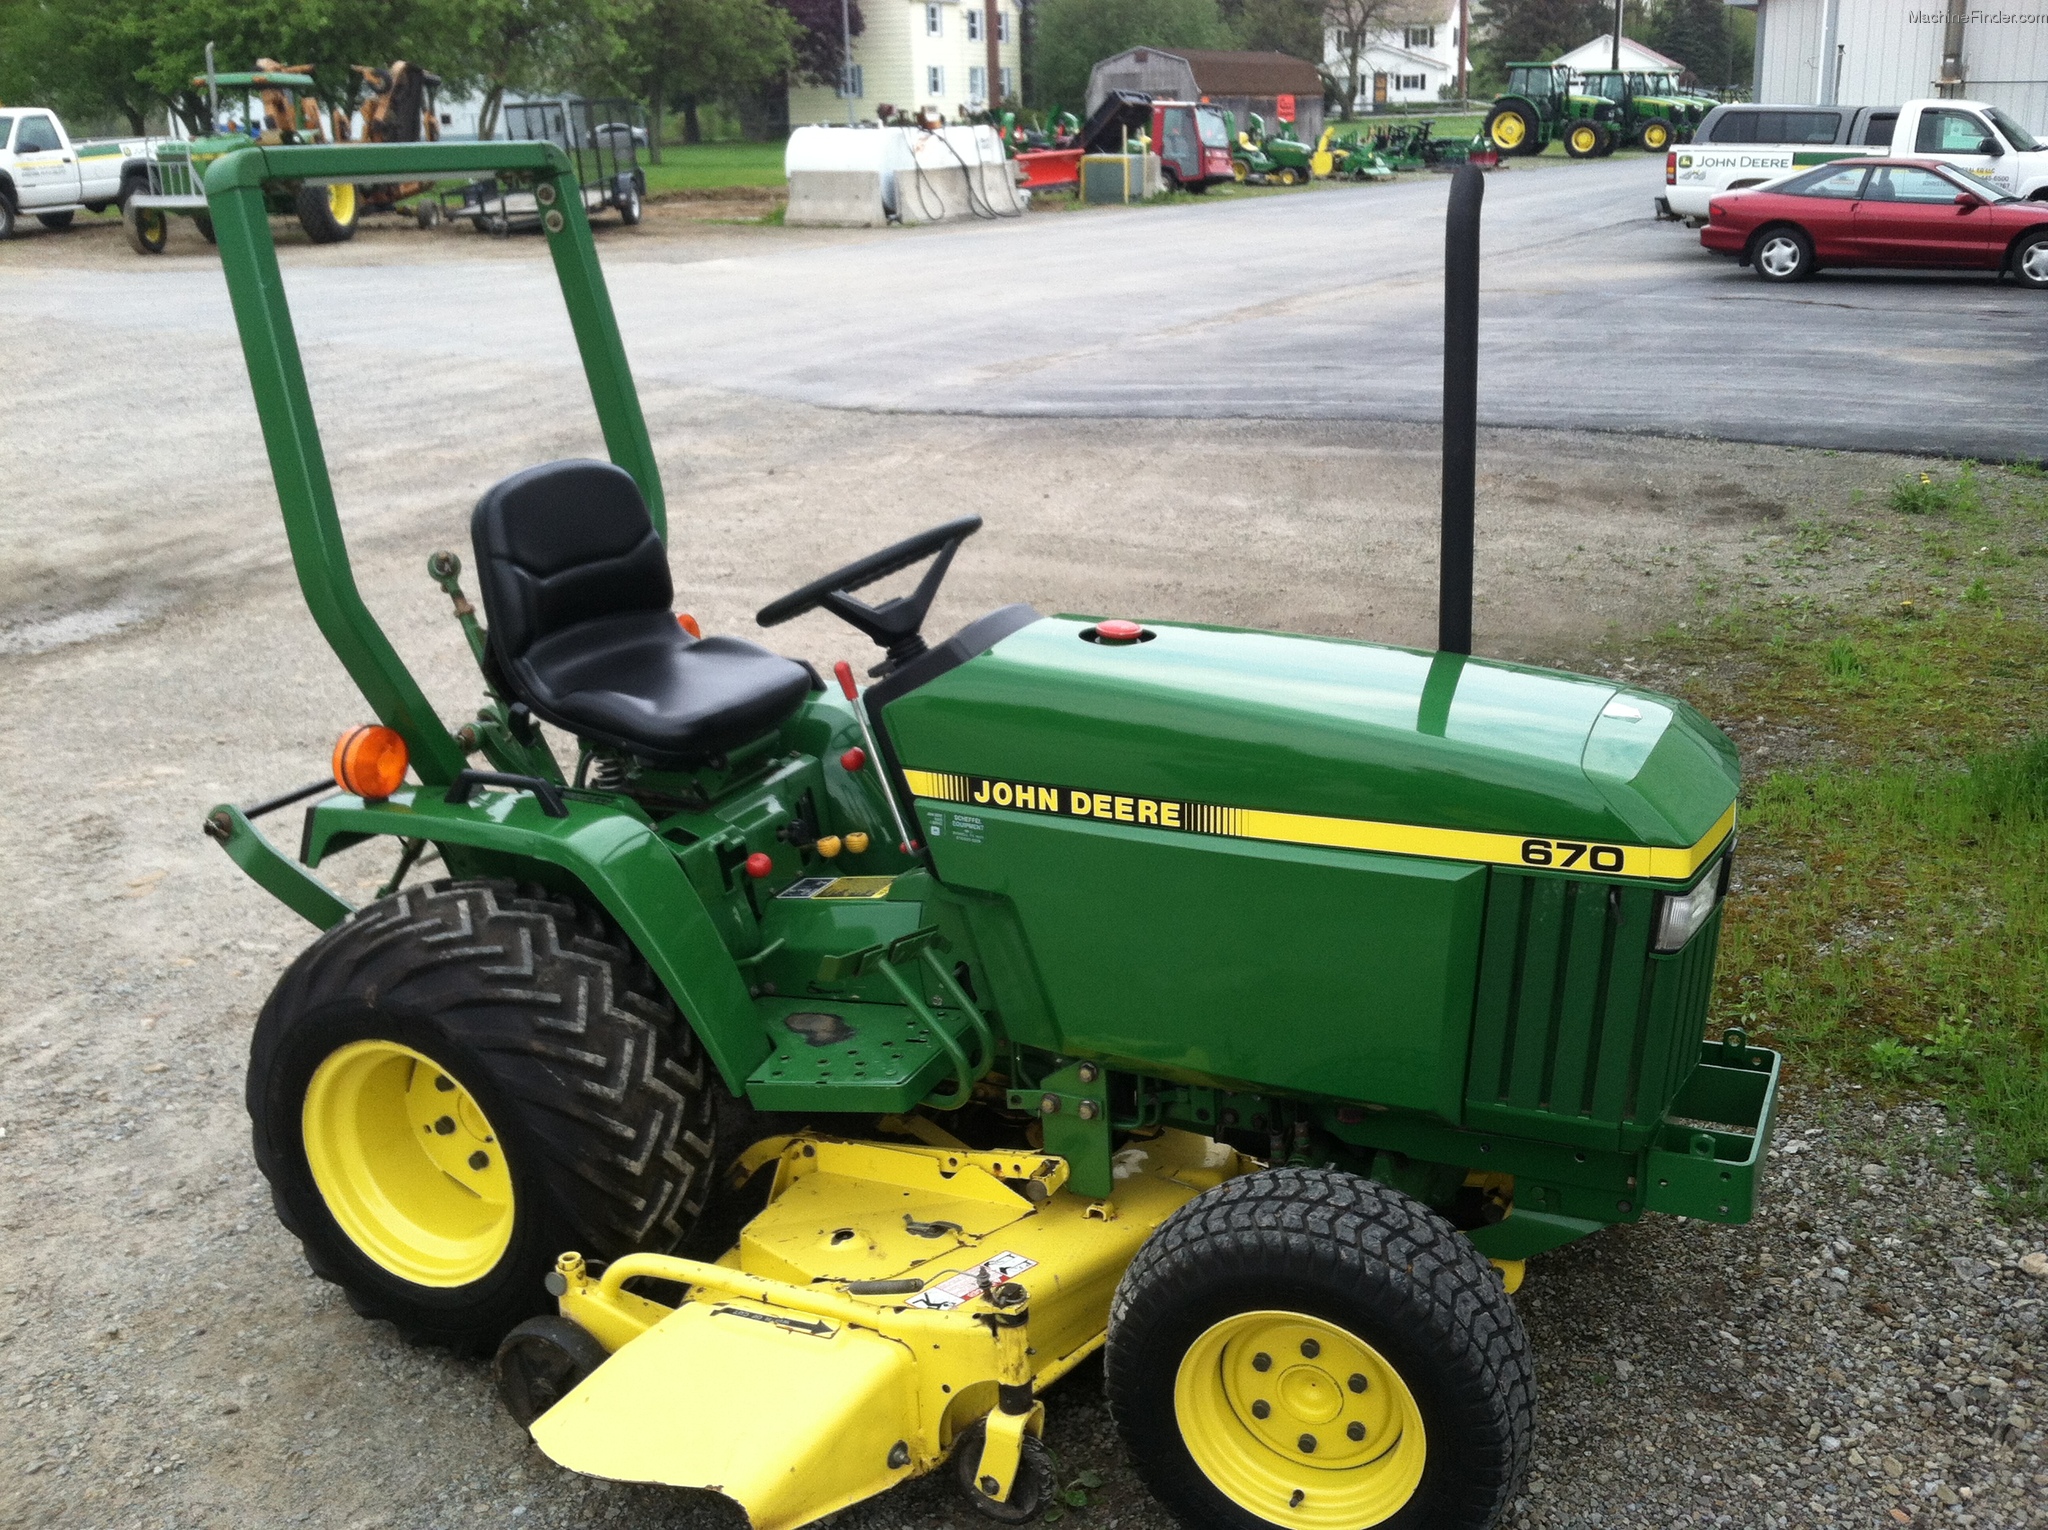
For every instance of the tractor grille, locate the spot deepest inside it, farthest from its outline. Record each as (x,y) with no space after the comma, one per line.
(1580,1034)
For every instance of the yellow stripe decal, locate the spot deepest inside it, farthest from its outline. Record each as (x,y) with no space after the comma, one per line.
(1584,856)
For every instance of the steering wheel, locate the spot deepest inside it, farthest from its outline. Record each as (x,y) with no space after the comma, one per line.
(894,625)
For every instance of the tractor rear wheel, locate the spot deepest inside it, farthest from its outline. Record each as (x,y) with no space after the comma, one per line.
(1513,131)
(1304,1348)
(327,213)
(456,1084)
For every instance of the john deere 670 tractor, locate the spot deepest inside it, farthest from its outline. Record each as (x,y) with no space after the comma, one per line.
(1539,107)
(1249,1005)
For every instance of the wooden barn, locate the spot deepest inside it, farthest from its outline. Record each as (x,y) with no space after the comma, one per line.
(1240,83)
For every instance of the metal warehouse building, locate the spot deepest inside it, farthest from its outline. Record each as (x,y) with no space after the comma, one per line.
(1240,83)
(1881,52)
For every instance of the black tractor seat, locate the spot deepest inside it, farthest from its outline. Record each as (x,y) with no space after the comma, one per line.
(577,596)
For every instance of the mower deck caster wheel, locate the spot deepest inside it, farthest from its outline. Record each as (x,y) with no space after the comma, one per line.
(1031,1494)
(541,1362)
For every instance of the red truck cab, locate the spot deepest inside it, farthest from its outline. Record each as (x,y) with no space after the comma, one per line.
(1192,142)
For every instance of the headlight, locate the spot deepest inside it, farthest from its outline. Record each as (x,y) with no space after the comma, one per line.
(1679,915)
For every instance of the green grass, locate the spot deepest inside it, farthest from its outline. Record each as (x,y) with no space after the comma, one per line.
(1893,926)
(709,166)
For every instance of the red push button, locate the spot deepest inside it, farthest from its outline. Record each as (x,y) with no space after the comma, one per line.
(759,865)
(853,759)
(1118,632)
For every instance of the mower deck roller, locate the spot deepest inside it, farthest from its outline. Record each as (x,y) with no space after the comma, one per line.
(1249,1007)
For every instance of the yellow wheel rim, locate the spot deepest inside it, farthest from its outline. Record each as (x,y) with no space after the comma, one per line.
(1509,132)
(1583,139)
(1657,136)
(408,1164)
(1239,170)
(341,201)
(1299,1422)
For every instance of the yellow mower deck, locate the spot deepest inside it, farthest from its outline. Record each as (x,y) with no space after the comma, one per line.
(778,1384)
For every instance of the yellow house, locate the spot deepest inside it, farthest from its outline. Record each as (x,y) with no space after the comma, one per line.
(917,53)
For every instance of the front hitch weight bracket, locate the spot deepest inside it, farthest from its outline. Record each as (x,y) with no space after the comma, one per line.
(270,868)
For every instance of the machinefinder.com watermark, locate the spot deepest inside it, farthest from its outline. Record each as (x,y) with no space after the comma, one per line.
(1981,18)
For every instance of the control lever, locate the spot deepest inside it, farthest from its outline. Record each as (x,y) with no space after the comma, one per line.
(844,672)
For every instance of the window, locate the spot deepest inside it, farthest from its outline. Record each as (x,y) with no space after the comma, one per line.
(1878,132)
(1941,132)
(1343,43)
(973,22)
(932,25)
(1009,89)
(1777,127)
(1003,34)
(1836,185)
(855,84)
(2015,135)
(38,136)
(6,127)
(1418,37)
(1902,183)
(1411,82)
(934,80)
(977,82)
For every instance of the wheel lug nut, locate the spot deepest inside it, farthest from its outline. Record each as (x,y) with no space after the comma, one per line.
(1356,1430)
(479,1160)
(1310,1349)
(1356,1383)
(1261,1408)
(445,1126)
(1308,1444)
(1262,1361)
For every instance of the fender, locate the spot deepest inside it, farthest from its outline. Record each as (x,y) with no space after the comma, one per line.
(622,864)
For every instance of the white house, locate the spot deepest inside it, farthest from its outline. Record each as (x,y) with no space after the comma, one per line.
(915,54)
(1414,62)
(1599,54)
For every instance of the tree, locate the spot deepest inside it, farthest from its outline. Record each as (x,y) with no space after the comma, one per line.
(1356,23)
(820,40)
(1517,30)
(82,57)
(496,46)
(1293,27)
(1697,34)
(676,53)
(1073,35)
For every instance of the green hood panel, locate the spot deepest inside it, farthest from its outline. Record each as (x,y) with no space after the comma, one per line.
(1324,726)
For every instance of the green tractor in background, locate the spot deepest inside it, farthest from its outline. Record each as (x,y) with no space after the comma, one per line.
(1539,107)
(1249,162)
(272,106)
(1643,114)
(1278,158)
(792,1081)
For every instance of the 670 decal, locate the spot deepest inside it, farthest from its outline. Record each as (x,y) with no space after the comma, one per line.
(1571,854)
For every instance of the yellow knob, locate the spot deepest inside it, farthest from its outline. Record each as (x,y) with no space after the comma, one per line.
(857,841)
(829,846)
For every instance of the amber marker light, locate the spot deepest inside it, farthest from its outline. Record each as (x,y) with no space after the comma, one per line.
(370,761)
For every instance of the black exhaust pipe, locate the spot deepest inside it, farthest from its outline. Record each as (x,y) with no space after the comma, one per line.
(1461,409)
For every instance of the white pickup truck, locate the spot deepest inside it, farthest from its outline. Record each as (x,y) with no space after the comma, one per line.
(1741,146)
(45,174)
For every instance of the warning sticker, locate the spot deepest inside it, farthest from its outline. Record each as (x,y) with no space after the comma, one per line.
(964,1287)
(838,887)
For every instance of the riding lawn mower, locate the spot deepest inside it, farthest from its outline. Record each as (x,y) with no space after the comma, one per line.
(1248,1007)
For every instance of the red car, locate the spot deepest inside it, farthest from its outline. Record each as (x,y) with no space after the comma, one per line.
(1880,212)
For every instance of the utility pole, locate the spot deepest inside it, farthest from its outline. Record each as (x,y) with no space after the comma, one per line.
(846,56)
(1616,64)
(1464,51)
(990,23)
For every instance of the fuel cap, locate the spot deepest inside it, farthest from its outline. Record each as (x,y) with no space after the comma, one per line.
(1115,632)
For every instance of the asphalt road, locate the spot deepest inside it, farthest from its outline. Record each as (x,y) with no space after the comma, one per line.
(1319,305)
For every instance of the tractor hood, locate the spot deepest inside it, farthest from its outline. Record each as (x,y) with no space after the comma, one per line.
(1292,728)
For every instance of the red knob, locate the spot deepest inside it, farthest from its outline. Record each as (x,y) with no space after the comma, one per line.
(853,759)
(843,672)
(759,865)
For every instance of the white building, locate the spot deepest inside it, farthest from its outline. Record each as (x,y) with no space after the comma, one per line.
(1599,54)
(915,54)
(1882,52)
(1414,62)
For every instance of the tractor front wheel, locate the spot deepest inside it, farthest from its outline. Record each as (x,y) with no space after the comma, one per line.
(1655,137)
(456,1084)
(148,228)
(1307,1349)
(1584,140)
(327,213)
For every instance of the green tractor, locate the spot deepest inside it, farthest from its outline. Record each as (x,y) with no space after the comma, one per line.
(1539,106)
(1643,114)
(1355,161)
(792,1081)
(271,106)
